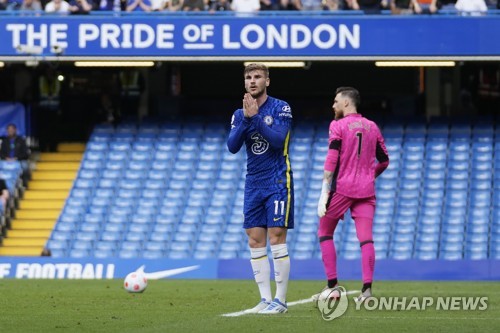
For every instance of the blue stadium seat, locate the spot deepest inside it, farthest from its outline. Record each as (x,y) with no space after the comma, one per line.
(107,183)
(161,166)
(77,202)
(80,244)
(96,146)
(181,254)
(119,147)
(102,192)
(350,255)
(100,137)
(167,218)
(424,238)
(143,146)
(140,155)
(89,174)
(139,165)
(92,155)
(84,183)
(66,226)
(105,245)
(79,253)
(150,254)
(167,138)
(90,227)
(426,255)
(113,166)
(131,184)
(480,198)
(131,246)
(152,194)
(111,236)
(228,254)
(159,228)
(54,244)
(480,184)
(118,155)
(203,255)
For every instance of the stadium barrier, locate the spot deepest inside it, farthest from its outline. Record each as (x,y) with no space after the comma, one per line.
(91,268)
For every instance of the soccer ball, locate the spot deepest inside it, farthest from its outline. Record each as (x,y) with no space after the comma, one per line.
(135,282)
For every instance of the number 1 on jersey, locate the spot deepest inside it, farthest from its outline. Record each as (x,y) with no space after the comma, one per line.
(360,139)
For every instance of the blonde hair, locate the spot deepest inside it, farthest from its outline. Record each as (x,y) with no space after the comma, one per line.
(256,67)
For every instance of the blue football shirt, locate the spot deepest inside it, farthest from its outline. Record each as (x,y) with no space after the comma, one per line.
(266,137)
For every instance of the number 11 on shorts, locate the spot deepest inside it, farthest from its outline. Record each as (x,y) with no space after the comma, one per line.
(279,207)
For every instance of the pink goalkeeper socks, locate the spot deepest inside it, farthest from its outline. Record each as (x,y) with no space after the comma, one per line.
(328,254)
(329,258)
(367,262)
(364,228)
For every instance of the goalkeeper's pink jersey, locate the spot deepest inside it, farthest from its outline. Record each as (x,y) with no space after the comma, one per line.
(354,144)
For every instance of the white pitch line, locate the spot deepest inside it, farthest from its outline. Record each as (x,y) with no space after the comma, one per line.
(301,301)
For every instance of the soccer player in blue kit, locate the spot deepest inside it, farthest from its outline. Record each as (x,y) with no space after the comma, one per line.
(264,125)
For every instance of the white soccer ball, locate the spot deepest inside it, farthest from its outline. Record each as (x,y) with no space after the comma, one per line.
(135,282)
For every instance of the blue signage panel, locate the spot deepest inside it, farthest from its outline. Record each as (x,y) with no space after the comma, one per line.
(93,268)
(280,36)
(387,269)
(12,113)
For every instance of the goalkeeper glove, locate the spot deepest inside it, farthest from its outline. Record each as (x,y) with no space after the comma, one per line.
(325,190)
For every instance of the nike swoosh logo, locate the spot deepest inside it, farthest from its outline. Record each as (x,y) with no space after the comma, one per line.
(277,219)
(166,273)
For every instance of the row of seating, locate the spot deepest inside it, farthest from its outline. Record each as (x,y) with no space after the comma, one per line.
(175,191)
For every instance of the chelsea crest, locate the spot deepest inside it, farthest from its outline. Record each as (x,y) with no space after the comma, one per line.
(268,120)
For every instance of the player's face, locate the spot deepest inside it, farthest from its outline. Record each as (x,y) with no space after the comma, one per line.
(11,131)
(337,107)
(256,83)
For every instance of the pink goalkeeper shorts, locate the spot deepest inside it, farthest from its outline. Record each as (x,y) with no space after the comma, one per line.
(339,204)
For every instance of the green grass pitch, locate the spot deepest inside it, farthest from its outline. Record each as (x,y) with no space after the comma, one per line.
(197,305)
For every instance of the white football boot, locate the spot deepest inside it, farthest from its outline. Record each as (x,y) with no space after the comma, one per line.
(275,307)
(261,306)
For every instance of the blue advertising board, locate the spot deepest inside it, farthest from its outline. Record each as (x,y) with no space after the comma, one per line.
(232,37)
(12,113)
(110,268)
(94,268)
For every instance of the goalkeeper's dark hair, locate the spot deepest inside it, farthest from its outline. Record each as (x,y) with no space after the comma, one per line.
(256,67)
(350,92)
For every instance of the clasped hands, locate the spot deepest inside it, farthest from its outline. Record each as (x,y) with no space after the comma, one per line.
(250,106)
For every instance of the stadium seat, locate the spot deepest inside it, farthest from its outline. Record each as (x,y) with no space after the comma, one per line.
(79,253)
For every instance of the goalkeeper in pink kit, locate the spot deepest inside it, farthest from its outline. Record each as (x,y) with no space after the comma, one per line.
(349,183)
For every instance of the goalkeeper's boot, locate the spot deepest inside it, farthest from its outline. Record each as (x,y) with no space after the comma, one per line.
(366,293)
(261,306)
(325,293)
(275,307)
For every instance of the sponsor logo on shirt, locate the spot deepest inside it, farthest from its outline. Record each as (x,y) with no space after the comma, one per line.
(260,146)
(286,111)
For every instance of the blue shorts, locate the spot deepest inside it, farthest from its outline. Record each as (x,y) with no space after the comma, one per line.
(268,208)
